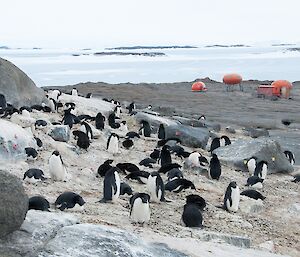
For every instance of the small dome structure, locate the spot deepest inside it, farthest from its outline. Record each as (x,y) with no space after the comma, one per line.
(198,87)
(282,88)
(232,79)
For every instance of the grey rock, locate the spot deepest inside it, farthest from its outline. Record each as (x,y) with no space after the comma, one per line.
(98,240)
(38,228)
(250,206)
(60,133)
(17,87)
(14,203)
(189,136)
(230,130)
(198,123)
(262,148)
(255,133)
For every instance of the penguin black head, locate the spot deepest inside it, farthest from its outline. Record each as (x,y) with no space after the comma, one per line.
(123,122)
(109,161)
(196,199)
(55,153)
(233,184)
(145,197)
(202,117)
(78,199)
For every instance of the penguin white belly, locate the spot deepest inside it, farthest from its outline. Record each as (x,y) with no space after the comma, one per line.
(194,159)
(123,128)
(151,186)
(235,197)
(144,180)
(74,92)
(118,113)
(140,211)
(222,142)
(52,106)
(82,128)
(113,145)
(257,185)
(56,169)
(116,195)
(251,166)
(264,171)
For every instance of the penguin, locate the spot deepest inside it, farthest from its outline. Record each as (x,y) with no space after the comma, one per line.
(111,185)
(34,173)
(232,197)
(131,107)
(39,142)
(38,203)
(171,141)
(177,185)
(132,134)
(112,121)
(140,176)
(261,169)
(118,111)
(74,92)
(68,118)
(214,168)
(296,178)
(3,103)
(82,139)
(251,164)
(147,162)
(127,166)
(89,95)
(290,156)
(197,200)
(68,200)
(193,159)
(86,117)
(253,194)
(37,107)
(145,130)
(255,182)
(55,94)
(224,140)
(192,216)
(99,121)
(52,105)
(25,113)
(161,132)
(156,187)
(202,117)
(46,108)
(112,145)
(31,153)
(155,154)
(169,166)
(140,208)
(70,106)
(125,189)
(123,126)
(86,128)
(127,143)
(174,174)
(165,156)
(57,169)
(215,143)
(104,167)
(40,124)
(117,103)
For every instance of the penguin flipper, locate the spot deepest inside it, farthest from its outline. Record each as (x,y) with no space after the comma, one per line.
(179,189)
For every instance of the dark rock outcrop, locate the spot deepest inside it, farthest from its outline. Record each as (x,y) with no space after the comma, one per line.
(17,87)
(14,203)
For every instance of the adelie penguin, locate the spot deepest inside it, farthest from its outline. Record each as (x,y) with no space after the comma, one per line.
(192,216)
(174,174)
(165,156)
(57,169)
(35,174)
(112,145)
(127,166)
(132,134)
(118,111)
(215,143)
(177,185)
(140,176)
(251,164)
(197,200)
(125,189)
(255,182)
(74,92)
(290,156)
(38,203)
(168,166)
(155,154)
(261,169)
(131,107)
(123,126)
(82,139)
(232,197)
(224,140)
(253,194)
(111,186)
(104,167)
(86,128)
(127,143)
(156,187)
(147,162)
(140,208)
(214,168)
(31,153)
(40,124)
(68,200)
(145,129)
(99,121)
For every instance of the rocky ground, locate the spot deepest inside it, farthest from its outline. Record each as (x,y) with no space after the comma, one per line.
(276,220)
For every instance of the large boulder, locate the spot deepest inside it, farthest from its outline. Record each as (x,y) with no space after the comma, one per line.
(263,148)
(198,123)
(17,87)
(60,133)
(13,140)
(14,203)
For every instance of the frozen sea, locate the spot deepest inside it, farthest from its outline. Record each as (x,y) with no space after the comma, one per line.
(59,67)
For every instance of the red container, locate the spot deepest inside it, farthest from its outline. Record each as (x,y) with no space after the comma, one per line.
(198,86)
(232,79)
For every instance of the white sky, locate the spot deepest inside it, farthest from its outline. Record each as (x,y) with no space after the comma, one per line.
(95,23)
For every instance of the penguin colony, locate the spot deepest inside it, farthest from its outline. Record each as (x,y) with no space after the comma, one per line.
(160,172)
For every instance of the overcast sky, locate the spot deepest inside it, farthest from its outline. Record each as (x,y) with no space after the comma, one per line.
(96,23)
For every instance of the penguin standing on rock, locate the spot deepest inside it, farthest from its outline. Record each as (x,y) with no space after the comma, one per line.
(113,143)
(140,208)
(214,168)
(290,156)
(111,185)
(232,197)
(156,187)
(57,169)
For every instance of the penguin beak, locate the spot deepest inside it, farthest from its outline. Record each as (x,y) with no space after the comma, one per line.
(273,159)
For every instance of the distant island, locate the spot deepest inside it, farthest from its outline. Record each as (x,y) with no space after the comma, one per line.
(149,47)
(294,49)
(149,54)
(4,47)
(239,45)
(283,44)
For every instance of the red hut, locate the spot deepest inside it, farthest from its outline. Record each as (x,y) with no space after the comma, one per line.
(282,88)
(231,80)
(199,87)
